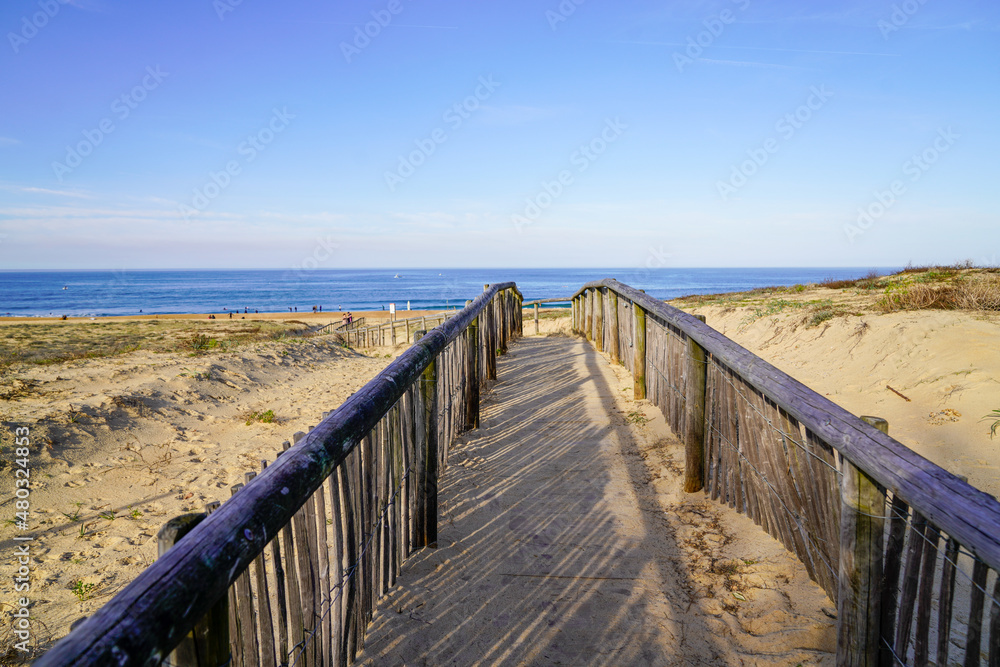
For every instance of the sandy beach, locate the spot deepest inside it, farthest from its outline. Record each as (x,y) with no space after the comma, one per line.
(162,422)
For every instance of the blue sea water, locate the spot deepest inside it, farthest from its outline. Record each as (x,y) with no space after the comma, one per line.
(95,293)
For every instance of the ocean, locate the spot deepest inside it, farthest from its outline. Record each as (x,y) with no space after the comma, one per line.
(131,292)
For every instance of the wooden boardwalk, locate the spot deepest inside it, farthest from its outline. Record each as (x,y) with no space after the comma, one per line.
(545,553)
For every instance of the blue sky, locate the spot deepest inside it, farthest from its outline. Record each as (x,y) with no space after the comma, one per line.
(398,133)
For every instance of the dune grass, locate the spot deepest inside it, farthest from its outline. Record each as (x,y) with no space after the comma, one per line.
(50,343)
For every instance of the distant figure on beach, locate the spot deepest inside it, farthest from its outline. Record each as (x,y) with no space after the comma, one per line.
(350,318)
(289,309)
(314,309)
(230,315)
(245,310)
(255,310)
(321,308)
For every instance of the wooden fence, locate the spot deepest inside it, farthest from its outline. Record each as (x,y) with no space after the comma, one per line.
(287,571)
(537,302)
(395,332)
(909,552)
(341,328)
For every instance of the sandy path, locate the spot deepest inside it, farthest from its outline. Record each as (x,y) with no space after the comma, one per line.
(565,539)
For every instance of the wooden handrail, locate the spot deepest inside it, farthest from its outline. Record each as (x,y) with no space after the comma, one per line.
(965,512)
(152,614)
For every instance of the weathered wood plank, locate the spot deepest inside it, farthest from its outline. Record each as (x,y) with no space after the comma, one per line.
(639,354)
(994,651)
(264,615)
(974,635)
(921,646)
(911,579)
(209,639)
(613,327)
(946,598)
(892,566)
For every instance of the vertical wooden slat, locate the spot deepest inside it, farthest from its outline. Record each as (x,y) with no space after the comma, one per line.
(639,353)
(264,615)
(613,327)
(946,599)
(892,567)
(428,409)
(859,597)
(994,651)
(208,642)
(860,568)
(694,436)
(472,379)
(304,569)
(245,635)
(824,488)
(348,588)
(337,570)
(974,636)
(798,472)
(911,578)
(325,599)
(282,589)
(921,647)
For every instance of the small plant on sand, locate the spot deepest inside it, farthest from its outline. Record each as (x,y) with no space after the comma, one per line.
(109,515)
(266,417)
(82,590)
(819,317)
(133,513)
(75,516)
(636,417)
(201,342)
(995,416)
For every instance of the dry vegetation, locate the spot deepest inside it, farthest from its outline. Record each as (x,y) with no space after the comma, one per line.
(50,343)
(958,287)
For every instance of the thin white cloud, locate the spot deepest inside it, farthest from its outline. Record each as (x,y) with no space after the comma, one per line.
(764,48)
(362,24)
(747,63)
(46,191)
(7,141)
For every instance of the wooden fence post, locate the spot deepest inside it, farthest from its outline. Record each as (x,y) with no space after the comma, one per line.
(862,522)
(207,645)
(425,416)
(588,324)
(472,390)
(613,327)
(599,319)
(502,303)
(639,352)
(694,406)
(536,318)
